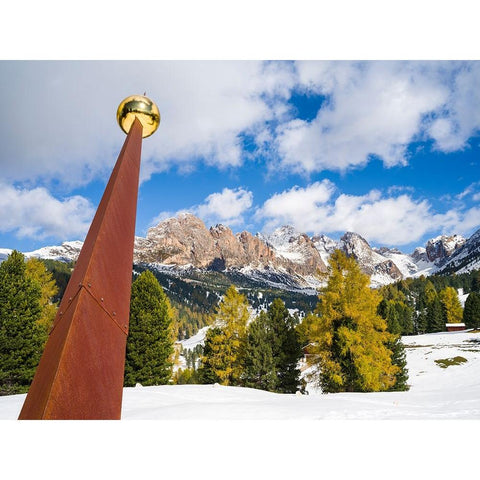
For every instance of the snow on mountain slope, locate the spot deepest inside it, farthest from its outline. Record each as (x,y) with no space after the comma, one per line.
(67,252)
(193,341)
(464,259)
(325,246)
(283,241)
(286,258)
(404,262)
(436,393)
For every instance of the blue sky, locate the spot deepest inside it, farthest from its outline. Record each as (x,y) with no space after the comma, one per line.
(388,149)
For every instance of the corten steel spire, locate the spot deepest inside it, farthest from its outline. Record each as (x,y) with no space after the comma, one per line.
(80,375)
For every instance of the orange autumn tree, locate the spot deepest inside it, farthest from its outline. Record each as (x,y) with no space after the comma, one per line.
(347,338)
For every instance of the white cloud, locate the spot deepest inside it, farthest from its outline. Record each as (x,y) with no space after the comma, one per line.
(59,123)
(58,118)
(37,214)
(461,116)
(373,108)
(470,190)
(297,206)
(392,220)
(227,206)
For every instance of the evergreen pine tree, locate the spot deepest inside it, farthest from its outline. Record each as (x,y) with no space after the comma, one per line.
(286,347)
(452,308)
(259,368)
(225,353)
(390,312)
(150,341)
(212,360)
(273,350)
(426,296)
(21,337)
(434,316)
(349,338)
(471,312)
(399,359)
(475,282)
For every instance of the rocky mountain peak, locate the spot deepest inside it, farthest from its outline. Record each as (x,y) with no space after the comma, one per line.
(356,246)
(185,240)
(286,254)
(282,236)
(439,248)
(297,248)
(380,268)
(325,246)
(419,254)
(464,258)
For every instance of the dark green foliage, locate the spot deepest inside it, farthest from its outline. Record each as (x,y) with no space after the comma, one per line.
(200,292)
(149,343)
(287,348)
(434,316)
(259,368)
(475,284)
(398,315)
(206,372)
(392,312)
(21,337)
(61,272)
(188,320)
(422,297)
(273,350)
(399,359)
(471,312)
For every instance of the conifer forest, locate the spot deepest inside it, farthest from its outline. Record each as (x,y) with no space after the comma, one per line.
(347,340)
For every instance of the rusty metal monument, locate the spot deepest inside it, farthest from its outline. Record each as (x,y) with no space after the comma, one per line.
(80,374)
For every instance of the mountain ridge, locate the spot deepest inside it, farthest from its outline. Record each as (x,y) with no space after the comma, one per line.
(284,257)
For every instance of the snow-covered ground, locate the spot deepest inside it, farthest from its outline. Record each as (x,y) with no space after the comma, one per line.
(436,393)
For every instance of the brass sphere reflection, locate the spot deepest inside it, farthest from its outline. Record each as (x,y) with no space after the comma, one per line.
(141,107)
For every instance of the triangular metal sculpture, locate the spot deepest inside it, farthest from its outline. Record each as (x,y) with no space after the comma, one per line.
(80,375)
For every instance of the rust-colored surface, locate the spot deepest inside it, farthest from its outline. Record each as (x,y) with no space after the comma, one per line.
(80,375)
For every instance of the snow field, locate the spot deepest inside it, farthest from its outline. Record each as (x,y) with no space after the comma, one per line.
(435,393)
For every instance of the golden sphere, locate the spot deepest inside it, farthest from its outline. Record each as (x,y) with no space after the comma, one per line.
(142,108)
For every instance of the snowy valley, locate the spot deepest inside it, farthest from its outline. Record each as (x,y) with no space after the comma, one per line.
(444,369)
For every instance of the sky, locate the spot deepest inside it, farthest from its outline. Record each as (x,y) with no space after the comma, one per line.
(387,149)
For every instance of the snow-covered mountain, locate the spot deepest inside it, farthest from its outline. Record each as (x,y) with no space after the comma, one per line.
(464,258)
(66,252)
(286,258)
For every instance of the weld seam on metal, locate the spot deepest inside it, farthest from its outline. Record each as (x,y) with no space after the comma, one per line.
(62,313)
(124,330)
